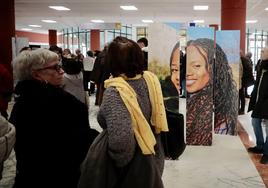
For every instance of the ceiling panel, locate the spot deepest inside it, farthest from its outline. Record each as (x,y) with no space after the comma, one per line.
(82,11)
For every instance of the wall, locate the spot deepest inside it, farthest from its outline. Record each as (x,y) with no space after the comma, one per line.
(37,38)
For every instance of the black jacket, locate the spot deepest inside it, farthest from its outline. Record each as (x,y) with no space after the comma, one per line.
(260,91)
(170,94)
(247,77)
(52,136)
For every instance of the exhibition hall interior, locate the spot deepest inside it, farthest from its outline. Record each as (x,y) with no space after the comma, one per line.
(209,63)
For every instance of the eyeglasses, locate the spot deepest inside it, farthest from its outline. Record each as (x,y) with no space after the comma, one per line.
(56,67)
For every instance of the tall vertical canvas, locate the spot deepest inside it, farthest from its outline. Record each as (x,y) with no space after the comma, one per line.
(226,81)
(164,60)
(199,85)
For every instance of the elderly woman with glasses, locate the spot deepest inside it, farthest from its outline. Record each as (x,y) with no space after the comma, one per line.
(53,133)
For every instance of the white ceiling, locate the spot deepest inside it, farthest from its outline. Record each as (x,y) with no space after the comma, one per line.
(82,11)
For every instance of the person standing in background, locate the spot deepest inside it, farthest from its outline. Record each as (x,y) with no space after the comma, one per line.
(143,44)
(7,130)
(247,80)
(52,126)
(6,89)
(73,80)
(88,64)
(258,105)
(250,72)
(79,55)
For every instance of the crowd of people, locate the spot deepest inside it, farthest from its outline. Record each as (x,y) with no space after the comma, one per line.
(50,114)
(51,110)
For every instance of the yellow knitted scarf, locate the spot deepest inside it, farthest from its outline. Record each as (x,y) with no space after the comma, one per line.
(142,129)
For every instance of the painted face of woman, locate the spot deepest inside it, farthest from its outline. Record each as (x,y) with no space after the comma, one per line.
(175,69)
(197,75)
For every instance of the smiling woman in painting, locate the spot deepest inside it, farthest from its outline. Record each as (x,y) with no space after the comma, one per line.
(209,84)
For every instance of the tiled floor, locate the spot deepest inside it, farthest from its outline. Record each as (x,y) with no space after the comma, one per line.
(225,164)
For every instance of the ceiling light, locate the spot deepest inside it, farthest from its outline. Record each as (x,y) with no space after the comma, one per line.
(49,21)
(198,21)
(266,8)
(97,21)
(35,25)
(251,21)
(147,21)
(131,7)
(26,29)
(200,7)
(59,8)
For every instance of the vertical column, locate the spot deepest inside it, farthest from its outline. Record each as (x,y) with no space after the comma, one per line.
(7,31)
(215,26)
(95,39)
(52,37)
(233,17)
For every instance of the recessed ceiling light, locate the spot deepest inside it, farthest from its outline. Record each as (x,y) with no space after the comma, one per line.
(35,25)
(59,8)
(49,21)
(97,21)
(198,21)
(251,21)
(200,7)
(129,7)
(26,29)
(266,8)
(147,21)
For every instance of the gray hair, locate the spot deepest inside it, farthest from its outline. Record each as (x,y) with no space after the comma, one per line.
(27,61)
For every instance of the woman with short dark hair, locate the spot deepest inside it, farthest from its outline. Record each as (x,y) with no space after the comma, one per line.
(132,112)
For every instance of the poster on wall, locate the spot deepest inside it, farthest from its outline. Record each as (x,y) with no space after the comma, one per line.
(226,82)
(199,85)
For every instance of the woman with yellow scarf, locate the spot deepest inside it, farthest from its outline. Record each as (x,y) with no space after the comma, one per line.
(132,111)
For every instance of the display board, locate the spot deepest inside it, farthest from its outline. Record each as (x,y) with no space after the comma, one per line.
(199,85)
(226,82)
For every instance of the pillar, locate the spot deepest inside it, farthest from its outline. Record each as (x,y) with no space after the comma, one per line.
(52,37)
(95,39)
(233,17)
(215,26)
(7,31)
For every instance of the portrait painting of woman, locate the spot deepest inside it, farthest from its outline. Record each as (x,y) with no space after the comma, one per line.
(210,87)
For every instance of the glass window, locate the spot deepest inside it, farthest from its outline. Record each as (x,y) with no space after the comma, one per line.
(141,32)
(102,39)
(110,36)
(74,38)
(255,41)
(123,29)
(129,30)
